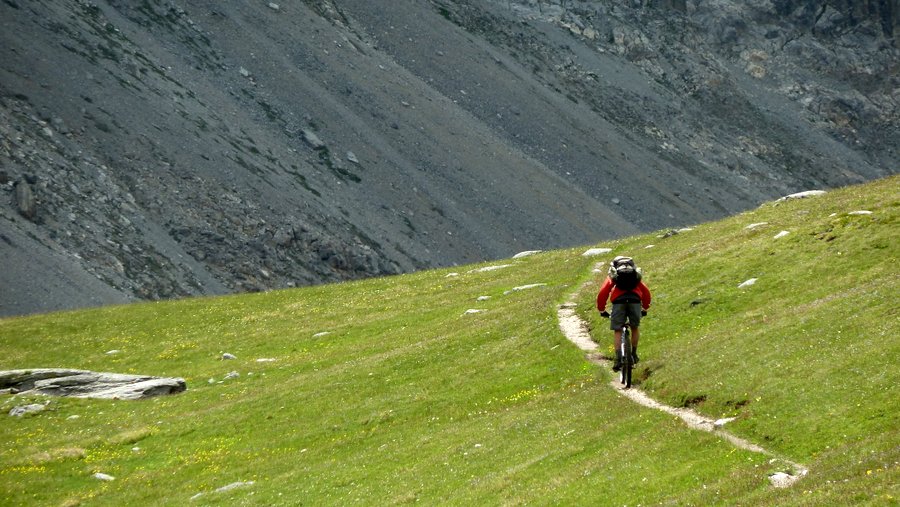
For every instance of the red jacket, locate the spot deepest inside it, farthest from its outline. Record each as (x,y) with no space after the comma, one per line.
(609,287)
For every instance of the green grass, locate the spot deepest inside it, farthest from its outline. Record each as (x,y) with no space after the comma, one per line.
(807,357)
(408,399)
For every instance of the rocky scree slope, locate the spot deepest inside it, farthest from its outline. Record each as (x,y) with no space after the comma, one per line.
(159,149)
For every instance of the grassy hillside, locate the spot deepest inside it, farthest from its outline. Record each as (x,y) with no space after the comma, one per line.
(806,357)
(387,391)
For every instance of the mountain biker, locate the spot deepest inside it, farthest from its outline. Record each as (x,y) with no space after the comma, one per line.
(630,299)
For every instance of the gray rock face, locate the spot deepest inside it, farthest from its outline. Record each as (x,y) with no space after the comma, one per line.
(161,170)
(88,384)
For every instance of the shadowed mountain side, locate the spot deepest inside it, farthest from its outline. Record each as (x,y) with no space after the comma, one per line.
(63,281)
(184,148)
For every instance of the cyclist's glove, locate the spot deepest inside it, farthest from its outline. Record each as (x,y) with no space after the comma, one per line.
(604,314)
(643,313)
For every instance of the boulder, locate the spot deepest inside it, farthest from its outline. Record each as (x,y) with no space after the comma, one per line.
(25,200)
(21,410)
(312,139)
(782,479)
(89,384)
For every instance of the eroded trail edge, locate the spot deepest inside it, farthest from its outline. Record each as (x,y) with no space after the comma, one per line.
(576,331)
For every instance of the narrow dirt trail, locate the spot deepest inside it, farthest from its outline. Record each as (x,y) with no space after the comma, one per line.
(576,331)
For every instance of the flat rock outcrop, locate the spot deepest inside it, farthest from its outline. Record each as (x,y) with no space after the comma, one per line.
(88,384)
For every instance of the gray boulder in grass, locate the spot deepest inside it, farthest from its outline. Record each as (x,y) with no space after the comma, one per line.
(88,384)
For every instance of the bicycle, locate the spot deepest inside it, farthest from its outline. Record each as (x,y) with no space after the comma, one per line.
(627,364)
(625,351)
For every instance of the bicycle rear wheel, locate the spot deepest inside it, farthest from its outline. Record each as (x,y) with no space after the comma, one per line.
(625,373)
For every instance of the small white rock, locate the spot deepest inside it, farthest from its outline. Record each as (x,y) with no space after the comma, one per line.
(323,333)
(860,212)
(802,195)
(232,374)
(112,352)
(782,479)
(103,477)
(492,268)
(450,275)
(266,360)
(758,224)
(781,234)
(483,298)
(473,310)
(596,251)
(529,286)
(722,422)
(274,6)
(227,356)
(234,485)
(747,283)
(526,253)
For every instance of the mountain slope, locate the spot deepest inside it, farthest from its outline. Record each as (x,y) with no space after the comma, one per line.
(389,390)
(184,148)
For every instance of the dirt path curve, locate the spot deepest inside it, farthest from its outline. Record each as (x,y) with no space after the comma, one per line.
(576,331)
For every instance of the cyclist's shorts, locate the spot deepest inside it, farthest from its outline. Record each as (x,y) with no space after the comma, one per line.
(621,311)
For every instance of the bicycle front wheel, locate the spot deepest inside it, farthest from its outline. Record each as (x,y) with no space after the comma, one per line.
(625,373)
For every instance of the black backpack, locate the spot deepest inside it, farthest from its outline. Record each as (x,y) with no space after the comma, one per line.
(624,274)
